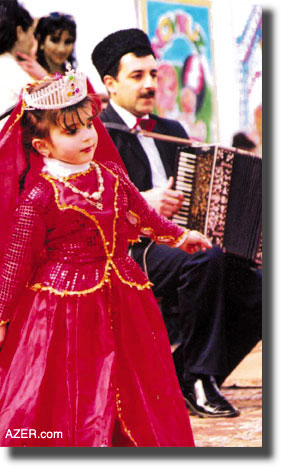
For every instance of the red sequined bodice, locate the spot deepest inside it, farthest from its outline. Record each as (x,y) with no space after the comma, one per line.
(63,244)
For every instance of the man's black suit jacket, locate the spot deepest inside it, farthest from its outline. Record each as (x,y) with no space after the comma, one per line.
(133,154)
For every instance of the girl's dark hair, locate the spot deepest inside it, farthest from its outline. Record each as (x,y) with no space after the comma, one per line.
(12,15)
(49,25)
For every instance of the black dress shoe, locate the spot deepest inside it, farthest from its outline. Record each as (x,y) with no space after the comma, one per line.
(204,399)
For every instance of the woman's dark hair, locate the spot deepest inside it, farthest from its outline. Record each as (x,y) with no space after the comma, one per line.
(12,15)
(49,25)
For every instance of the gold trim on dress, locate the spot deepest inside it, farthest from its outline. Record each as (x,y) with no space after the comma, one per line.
(132,284)
(64,206)
(106,279)
(181,236)
(119,413)
(149,232)
(131,214)
(109,254)
(4,322)
(18,117)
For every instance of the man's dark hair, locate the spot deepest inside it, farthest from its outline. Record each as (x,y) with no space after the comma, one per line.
(115,68)
(107,54)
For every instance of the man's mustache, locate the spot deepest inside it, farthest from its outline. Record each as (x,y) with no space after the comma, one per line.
(149,94)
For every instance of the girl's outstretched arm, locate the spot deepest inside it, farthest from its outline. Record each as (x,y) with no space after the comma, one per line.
(156,226)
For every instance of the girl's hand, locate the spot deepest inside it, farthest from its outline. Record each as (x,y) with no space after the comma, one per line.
(194,242)
(3,331)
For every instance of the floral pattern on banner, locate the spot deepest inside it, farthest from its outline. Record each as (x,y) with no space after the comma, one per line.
(180,34)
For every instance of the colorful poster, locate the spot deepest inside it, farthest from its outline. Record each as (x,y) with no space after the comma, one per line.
(180,33)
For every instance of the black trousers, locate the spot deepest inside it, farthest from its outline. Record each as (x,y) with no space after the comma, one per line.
(210,300)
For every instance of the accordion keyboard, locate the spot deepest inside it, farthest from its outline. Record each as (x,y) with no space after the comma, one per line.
(184,181)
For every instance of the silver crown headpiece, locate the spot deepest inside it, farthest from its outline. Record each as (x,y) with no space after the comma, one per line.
(66,91)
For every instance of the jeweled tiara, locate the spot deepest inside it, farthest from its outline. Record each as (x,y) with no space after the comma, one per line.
(65,91)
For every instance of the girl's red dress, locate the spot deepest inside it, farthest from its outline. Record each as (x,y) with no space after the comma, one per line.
(86,360)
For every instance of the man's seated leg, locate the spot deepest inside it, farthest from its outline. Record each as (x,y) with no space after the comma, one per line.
(195,283)
(243,299)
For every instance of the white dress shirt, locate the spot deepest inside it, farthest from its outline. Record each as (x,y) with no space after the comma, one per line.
(12,79)
(159,178)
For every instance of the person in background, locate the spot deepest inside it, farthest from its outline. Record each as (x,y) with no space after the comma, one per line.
(242,141)
(215,298)
(55,35)
(16,41)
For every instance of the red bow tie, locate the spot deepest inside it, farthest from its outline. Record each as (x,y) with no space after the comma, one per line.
(145,124)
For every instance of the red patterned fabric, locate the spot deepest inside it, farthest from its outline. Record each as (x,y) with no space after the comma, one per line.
(87,352)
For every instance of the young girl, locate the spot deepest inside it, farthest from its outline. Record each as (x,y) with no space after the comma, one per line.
(86,359)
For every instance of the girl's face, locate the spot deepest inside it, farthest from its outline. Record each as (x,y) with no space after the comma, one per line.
(57,48)
(74,140)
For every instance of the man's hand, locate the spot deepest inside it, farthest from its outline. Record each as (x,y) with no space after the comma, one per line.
(194,242)
(164,199)
(3,331)
(31,66)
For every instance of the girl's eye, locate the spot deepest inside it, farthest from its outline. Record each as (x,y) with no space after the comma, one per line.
(71,131)
(55,40)
(90,124)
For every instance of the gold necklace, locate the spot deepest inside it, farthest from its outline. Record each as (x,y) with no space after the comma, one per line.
(93,197)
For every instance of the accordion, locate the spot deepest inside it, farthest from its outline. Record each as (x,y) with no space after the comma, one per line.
(222,197)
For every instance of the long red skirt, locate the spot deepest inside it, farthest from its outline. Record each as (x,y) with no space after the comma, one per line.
(93,370)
